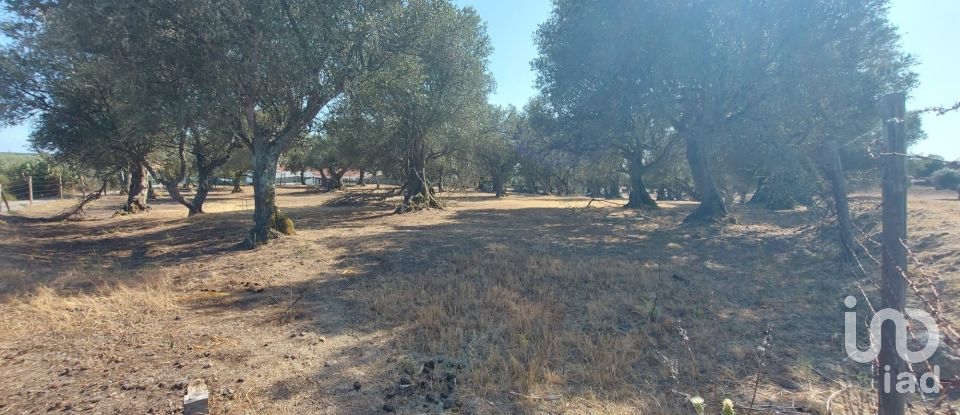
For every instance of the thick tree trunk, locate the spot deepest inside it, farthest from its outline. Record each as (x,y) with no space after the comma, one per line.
(613,190)
(360,181)
(639,197)
(303,177)
(137,192)
(418,194)
(203,189)
(336,178)
(237,180)
(323,179)
(834,171)
(499,187)
(173,189)
(172,185)
(711,208)
(264,196)
(151,195)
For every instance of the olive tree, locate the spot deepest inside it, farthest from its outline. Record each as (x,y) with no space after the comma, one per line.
(422,98)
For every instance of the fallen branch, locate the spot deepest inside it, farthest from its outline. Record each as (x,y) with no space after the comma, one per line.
(830,399)
(534,397)
(778,409)
(602,201)
(77,209)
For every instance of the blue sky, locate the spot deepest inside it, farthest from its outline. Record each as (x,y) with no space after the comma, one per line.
(930,29)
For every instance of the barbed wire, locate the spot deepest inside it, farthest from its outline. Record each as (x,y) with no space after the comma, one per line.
(948,333)
(933,306)
(937,110)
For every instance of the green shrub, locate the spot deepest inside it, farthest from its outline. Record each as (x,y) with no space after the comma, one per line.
(946,179)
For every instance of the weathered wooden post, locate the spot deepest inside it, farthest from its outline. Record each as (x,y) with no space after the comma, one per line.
(30,189)
(835,174)
(894,213)
(4,198)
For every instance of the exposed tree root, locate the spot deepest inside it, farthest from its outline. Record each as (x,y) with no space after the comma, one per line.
(418,203)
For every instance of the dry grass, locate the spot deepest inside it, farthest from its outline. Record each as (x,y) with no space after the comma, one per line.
(519,305)
(56,317)
(540,326)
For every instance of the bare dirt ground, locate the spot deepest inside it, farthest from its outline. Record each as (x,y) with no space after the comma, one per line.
(516,305)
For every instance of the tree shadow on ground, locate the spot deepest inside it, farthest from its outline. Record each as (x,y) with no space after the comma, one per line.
(736,279)
(42,253)
(749,277)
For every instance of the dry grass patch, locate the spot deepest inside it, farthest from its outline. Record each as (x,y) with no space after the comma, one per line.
(55,316)
(552,331)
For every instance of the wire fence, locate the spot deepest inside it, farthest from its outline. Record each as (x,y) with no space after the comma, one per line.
(38,189)
(921,281)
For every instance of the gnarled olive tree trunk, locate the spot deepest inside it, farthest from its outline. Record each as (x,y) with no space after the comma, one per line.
(237,181)
(336,177)
(137,192)
(266,217)
(711,208)
(173,189)
(205,166)
(203,189)
(418,194)
(639,198)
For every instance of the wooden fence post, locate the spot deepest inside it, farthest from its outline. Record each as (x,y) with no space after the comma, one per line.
(30,189)
(894,213)
(841,205)
(3,197)
(60,185)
